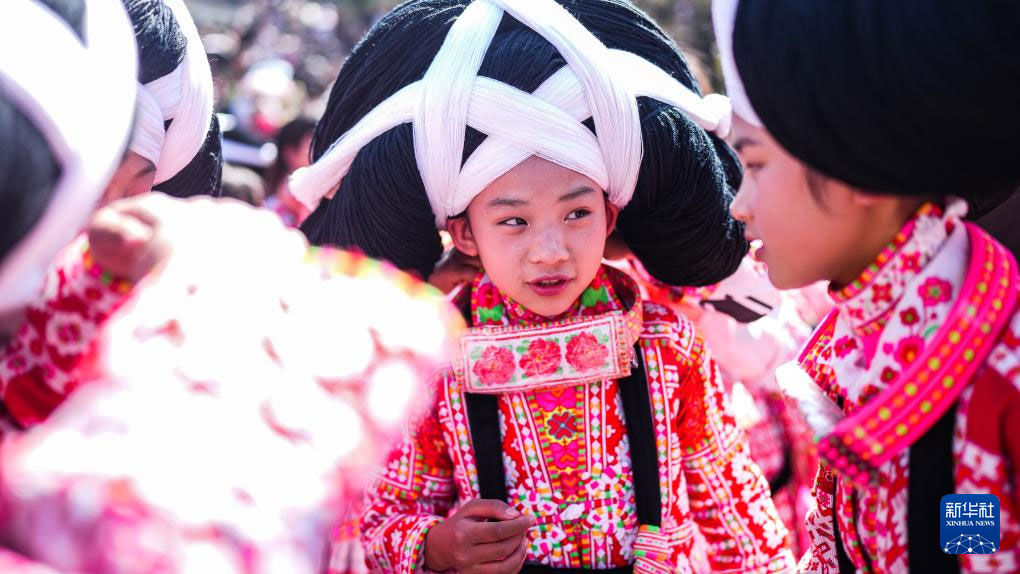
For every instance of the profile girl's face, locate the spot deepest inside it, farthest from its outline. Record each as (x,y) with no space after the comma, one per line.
(540,230)
(808,235)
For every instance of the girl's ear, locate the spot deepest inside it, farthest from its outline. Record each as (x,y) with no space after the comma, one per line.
(463,239)
(612,213)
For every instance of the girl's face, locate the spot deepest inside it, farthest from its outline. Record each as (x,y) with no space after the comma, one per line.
(540,230)
(831,232)
(134,176)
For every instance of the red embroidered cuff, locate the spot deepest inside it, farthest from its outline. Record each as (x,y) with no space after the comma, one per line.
(106,278)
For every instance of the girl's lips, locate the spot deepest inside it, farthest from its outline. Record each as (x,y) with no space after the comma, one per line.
(759,253)
(549,286)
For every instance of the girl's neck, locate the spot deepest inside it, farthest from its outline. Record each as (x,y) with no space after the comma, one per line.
(884,227)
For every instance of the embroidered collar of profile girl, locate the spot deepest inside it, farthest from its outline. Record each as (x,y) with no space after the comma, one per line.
(908,335)
(598,83)
(511,349)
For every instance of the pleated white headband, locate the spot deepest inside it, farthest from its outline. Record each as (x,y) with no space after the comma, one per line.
(724,15)
(82,99)
(597,82)
(184,96)
(149,134)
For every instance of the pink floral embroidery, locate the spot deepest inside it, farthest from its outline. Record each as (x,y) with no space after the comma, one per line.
(935,291)
(495,367)
(881,293)
(543,358)
(584,352)
(908,349)
(909,316)
(912,262)
(844,346)
(888,375)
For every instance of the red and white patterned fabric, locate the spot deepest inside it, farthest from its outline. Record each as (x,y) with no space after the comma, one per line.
(38,365)
(887,325)
(228,413)
(566,453)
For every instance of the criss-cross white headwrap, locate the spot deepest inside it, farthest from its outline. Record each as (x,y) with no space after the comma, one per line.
(597,83)
(81,97)
(184,96)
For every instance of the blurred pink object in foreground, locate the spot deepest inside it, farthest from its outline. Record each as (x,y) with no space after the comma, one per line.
(234,409)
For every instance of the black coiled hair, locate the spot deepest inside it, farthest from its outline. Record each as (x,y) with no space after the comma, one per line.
(677,223)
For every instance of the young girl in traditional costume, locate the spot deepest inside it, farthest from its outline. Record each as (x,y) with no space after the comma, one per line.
(580,428)
(859,123)
(57,158)
(93,277)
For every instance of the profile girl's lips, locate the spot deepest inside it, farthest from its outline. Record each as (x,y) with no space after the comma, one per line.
(549,285)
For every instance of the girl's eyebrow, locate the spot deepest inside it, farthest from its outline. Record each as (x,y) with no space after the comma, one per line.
(743,142)
(499,202)
(505,202)
(583,190)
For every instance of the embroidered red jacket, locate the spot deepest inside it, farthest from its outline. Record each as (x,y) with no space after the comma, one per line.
(566,456)
(929,326)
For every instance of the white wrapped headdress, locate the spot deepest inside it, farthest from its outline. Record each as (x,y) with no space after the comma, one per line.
(81,98)
(184,96)
(597,82)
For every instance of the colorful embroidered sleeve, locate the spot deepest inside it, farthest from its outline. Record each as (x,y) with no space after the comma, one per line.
(37,367)
(413,494)
(729,496)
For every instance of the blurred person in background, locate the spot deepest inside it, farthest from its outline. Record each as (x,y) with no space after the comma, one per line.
(293,145)
(243,184)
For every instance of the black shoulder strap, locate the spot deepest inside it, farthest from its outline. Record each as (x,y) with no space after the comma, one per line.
(483,420)
(644,460)
(930,478)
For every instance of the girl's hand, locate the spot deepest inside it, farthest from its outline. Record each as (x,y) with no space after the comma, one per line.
(483,537)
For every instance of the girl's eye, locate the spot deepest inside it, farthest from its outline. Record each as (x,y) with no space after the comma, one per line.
(578,213)
(753,166)
(513,222)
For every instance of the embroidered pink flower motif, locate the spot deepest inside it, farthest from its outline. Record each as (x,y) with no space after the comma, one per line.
(844,345)
(908,349)
(495,367)
(881,293)
(584,352)
(888,375)
(909,316)
(543,358)
(912,262)
(935,291)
